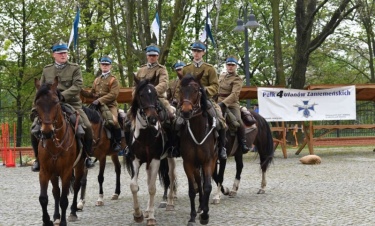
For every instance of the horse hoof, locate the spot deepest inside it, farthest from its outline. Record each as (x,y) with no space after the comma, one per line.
(162,205)
(226,191)
(50,223)
(114,197)
(138,219)
(151,222)
(261,191)
(232,194)
(146,214)
(99,203)
(72,218)
(169,208)
(57,222)
(191,224)
(175,198)
(80,205)
(216,201)
(203,221)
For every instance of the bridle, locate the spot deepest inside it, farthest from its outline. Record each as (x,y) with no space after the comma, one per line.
(196,104)
(143,106)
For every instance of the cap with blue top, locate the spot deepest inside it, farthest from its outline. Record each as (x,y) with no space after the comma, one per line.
(198,45)
(60,47)
(105,60)
(152,50)
(179,65)
(231,60)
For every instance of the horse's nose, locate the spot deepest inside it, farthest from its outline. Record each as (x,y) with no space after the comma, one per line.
(152,120)
(186,114)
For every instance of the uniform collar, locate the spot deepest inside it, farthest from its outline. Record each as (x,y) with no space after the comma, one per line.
(197,63)
(151,65)
(105,75)
(59,66)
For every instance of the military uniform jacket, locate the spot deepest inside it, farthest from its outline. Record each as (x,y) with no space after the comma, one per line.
(172,90)
(107,89)
(158,75)
(209,79)
(70,82)
(229,89)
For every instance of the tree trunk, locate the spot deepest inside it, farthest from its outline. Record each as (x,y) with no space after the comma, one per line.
(278,56)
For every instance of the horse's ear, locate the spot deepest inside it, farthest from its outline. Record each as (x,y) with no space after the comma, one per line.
(136,80)
(55,83)
(37,83)
(200,75)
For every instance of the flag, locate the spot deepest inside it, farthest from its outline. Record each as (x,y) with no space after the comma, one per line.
(155,27)
(74,32)
(207,31)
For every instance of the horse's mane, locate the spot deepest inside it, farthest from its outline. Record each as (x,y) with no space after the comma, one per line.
(44,90)
(185,82)
(134,103)
(92,115)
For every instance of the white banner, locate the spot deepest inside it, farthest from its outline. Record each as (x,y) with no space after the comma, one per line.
(278,104)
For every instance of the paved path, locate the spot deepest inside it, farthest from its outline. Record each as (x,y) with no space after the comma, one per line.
(340,191)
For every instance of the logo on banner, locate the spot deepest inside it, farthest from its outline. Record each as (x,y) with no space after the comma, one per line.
(305,108)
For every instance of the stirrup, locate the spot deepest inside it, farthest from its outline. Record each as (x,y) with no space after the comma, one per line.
(223,153)
(35,167)
(88,163)
(116,147)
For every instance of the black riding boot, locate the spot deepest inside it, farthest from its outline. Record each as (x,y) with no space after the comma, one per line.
(88,149)
(174,150)
(241,139)
(221,145)
(34,145)
(116,147)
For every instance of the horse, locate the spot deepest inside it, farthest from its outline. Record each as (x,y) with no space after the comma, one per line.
(146,145)
(258,134)
(59,155)
(198,147)
(101,149)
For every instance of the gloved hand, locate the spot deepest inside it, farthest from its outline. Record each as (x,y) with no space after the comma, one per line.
(223,107)
(95,102)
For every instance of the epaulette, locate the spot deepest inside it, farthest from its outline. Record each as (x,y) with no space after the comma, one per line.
(187,64)
(162,66)
(49,65)
(143,65)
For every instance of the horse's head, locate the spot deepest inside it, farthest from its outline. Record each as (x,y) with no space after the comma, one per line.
(146,101)
(192,96)
(47,104)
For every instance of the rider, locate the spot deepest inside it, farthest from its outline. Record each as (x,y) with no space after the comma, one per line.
(209,81)
(172,90)
(105,90)
(70,84)
(230,85)
(154,70)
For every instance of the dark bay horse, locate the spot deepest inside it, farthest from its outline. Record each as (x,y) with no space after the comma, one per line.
(146,145)
(59,155)
(258,134)
(197,145)
(102,148)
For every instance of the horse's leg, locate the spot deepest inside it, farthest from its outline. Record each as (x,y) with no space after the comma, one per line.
(172,187)
(138,215)
(56,196)
(102,161)
(219,181)
(43,197)
(64,202)
(239,166)
(117,164)
(79,172)
(152,174)
(81,202)
(189,171)
(208,169)
(263,184)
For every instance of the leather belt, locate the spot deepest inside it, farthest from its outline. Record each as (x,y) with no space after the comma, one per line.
(223,95)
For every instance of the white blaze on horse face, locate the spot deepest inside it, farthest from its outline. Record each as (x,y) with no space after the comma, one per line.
(149,90)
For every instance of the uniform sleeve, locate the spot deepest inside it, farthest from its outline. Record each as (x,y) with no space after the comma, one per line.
(77,83)
(213,88)
(235,93)
(111,96)
(162,86)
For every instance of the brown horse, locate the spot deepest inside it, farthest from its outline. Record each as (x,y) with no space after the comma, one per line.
(59,155)
(258,134)
(198,144)
(102,148)
(146,145)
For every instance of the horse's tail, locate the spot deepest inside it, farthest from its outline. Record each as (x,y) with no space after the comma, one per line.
(264,142)
(128,162)
(163,173)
